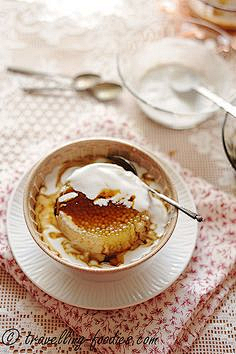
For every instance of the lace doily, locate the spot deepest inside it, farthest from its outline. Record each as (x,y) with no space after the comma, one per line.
(33,35)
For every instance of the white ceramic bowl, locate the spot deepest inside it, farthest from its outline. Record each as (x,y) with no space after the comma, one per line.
(96,148)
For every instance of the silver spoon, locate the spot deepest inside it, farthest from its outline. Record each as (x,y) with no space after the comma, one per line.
(103,91)
(128,166)
(82,81)
(189,82)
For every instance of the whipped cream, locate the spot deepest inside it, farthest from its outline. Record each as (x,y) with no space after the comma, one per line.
(95,178)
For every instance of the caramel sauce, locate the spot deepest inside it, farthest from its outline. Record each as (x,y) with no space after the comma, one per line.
(107,193)
(86,214)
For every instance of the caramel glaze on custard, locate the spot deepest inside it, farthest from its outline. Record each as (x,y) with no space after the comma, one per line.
(115,227)
(88,215)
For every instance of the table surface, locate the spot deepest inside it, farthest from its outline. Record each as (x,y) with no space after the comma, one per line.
(40,38)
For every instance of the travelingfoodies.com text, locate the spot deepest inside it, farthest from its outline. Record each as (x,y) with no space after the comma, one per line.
(11,336)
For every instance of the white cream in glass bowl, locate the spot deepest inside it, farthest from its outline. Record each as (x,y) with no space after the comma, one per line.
(150,65)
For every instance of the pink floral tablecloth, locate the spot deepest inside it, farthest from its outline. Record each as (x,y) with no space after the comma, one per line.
(41,35)
(176,316)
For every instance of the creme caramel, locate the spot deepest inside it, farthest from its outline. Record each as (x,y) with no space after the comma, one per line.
(93,221)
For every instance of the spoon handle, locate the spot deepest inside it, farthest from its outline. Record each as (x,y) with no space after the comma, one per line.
(48,91)
(190,213)
(39,74)
(26,72)
(221,102)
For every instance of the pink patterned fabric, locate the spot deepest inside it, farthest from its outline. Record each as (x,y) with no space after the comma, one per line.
(176,316)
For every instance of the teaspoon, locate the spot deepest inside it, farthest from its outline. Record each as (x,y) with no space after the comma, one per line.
(188,82)
(82,81)
(103,91)
(128,166)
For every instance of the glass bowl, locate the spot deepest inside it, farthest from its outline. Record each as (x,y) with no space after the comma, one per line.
(222,13)
(229,138)
(144,50)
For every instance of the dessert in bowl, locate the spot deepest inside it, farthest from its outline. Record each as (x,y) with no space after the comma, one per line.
(90,214)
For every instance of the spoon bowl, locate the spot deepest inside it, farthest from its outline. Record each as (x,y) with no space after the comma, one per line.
(85,81)
(183,82)
(106,91)
(189,82)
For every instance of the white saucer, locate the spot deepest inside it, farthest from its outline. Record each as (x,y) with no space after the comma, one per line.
(65,285)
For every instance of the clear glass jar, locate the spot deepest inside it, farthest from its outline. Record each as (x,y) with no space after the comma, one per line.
(220,12)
